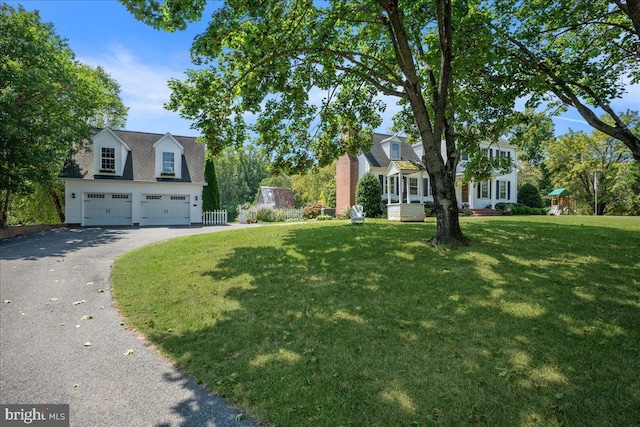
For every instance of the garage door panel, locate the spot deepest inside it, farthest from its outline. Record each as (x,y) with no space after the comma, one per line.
(165,210)
(107,209)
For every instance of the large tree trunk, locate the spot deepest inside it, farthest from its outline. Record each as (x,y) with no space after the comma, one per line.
(446,209)
(432,129)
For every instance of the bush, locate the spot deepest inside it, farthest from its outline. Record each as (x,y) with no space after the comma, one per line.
(527,210)
(324,217)
(530,196)
(265,213)
(312,210)
(368,194)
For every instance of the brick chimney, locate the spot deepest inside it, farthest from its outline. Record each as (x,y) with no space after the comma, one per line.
(346,181)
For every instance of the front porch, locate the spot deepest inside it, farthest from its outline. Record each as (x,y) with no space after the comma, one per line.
(405,179)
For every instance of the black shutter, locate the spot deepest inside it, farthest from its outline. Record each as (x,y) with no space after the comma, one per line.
(508,190)
(489,185)
(478,189)
(425,186)
(491,153)
(381,178)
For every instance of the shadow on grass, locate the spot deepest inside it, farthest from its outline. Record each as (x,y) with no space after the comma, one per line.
(533,324)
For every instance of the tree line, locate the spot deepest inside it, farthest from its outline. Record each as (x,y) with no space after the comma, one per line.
(314,73)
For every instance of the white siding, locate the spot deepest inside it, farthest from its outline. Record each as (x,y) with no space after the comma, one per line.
(79,187)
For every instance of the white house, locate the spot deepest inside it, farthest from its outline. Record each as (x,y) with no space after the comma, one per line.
(135,178)
(405,181)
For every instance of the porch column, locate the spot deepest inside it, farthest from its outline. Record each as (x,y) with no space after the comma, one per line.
(420,189)
(400,187)
(493,190)
(388,189)
(472,195)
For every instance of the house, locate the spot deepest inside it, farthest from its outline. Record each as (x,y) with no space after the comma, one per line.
(405,181)
(135,178)
(277,197)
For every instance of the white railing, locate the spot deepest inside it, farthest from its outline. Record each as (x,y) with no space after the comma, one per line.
(214,217)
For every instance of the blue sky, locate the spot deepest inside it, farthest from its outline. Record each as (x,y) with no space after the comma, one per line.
(142,60)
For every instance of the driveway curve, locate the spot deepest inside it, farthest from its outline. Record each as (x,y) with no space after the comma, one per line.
(62,341)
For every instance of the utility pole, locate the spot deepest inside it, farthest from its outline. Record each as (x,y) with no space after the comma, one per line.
(595,190)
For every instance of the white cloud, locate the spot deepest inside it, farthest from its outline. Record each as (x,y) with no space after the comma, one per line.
(144,90)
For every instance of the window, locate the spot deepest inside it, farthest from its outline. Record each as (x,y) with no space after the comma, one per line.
(426,188)
(168,164)
(484,190)
(393,182)
(502,190)
(395,151)
(108,159)
(464,157)
(413,186)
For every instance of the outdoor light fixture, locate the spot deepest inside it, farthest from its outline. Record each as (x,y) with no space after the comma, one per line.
(73,195)
(196,198)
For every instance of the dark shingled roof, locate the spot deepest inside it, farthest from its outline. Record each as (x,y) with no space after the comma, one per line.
(378,158)
(140,162)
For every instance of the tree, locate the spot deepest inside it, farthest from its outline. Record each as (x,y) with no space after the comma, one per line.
(530,196)
(239,175)
(369,193)
(48,102)
(315,186)
(268,58)
(574,54)
(576,157)
(210,193)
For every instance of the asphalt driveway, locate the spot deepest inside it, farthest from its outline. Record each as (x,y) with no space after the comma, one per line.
(63,342)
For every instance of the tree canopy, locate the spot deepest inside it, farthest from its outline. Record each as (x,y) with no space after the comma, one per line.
(578,54)
(48,102)
(575,158)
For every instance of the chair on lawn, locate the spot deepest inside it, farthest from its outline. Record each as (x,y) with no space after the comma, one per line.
(357,214)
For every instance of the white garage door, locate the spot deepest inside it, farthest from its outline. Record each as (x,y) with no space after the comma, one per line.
(164,210)
(107,209)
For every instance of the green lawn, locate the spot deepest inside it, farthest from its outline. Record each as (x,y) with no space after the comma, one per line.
(537,323)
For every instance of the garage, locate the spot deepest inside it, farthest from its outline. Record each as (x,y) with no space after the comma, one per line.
(107,209)
(164,209)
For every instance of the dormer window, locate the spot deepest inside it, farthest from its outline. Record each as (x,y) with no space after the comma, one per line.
(168,164)
(108,160)
(395,151)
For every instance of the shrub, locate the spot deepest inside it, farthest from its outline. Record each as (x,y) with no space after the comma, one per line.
(368,194)
(527,210)
(427,212)
(324,217)
(265,213)
(312,210)
(530,196)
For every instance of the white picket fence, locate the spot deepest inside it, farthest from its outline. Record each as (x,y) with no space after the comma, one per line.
(279,214)
(214,217)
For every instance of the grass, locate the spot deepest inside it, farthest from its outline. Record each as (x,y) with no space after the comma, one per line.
(537,323)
